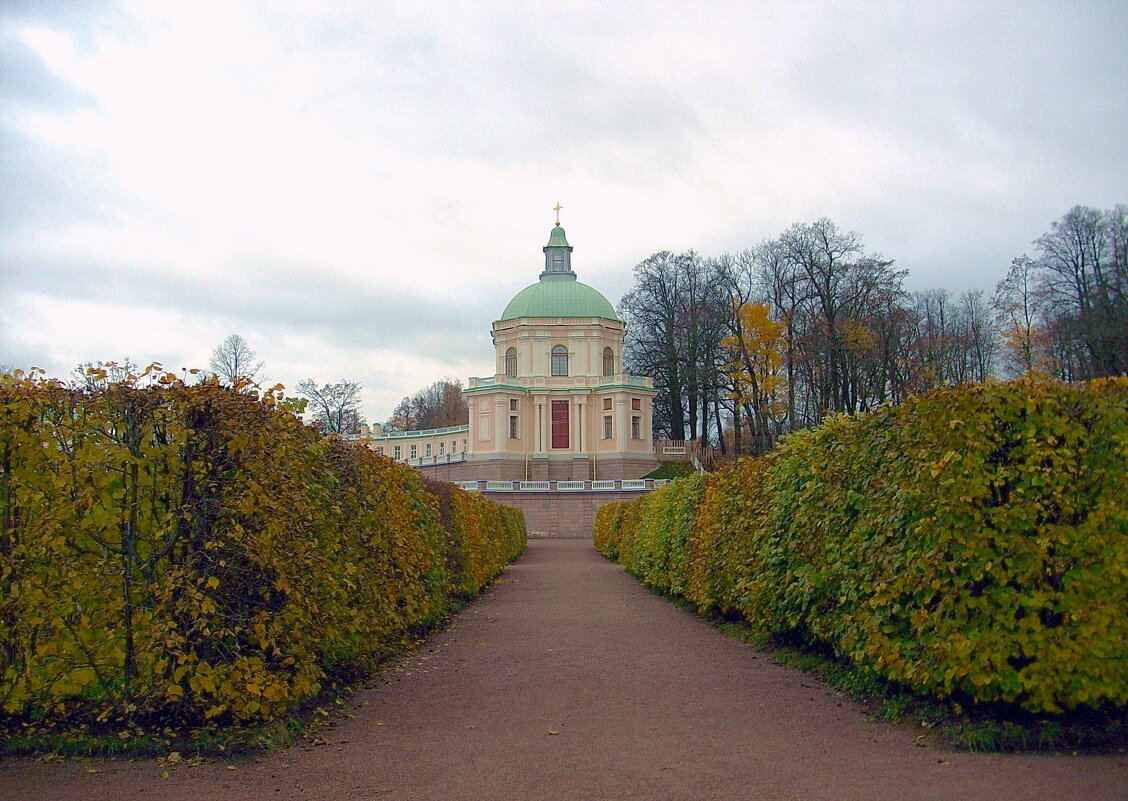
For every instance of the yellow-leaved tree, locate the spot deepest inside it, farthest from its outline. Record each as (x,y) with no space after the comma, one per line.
(753,360)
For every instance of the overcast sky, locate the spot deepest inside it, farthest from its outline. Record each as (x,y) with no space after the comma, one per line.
(358,188)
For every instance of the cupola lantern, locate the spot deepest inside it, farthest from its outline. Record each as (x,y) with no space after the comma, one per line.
(557,254)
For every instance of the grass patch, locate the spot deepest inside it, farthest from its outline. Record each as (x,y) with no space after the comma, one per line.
(671,470)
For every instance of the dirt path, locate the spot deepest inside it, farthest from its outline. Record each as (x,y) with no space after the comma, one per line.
(570,681)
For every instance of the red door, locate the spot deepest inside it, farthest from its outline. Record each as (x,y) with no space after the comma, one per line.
(560,437)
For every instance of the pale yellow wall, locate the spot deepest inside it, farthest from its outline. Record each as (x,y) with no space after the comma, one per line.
(490,400)
(534,340)
(533,389)
(427,444)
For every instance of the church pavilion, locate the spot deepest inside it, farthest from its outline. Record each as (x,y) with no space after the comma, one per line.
(559,406)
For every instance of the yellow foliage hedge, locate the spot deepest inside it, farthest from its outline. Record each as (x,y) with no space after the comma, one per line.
(970,543)
(185,554)
(480,536)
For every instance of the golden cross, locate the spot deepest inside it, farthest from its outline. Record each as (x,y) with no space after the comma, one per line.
(557,208)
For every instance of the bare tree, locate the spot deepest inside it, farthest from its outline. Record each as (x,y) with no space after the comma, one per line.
(234,360)
(980,339)
(842,303)
(1084,291)
(822,255)
(437,406)
(676,316)
(652,311)
(335,408)
(846,333)
(1116,219)
(1017,313)
(703,321)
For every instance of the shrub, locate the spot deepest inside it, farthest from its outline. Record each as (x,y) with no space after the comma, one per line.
(970,543)
(187,554)
(607,528)
(481,536)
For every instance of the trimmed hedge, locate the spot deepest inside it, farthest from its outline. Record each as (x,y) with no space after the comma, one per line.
(179,555)
(970,543)
(480,536)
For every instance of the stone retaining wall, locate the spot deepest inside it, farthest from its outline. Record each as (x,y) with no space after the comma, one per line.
(561,514)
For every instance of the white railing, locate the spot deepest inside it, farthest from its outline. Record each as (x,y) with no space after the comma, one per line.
(446,458)
(661,482)
(421,434)
(622,379)
(617,380)
(606,485)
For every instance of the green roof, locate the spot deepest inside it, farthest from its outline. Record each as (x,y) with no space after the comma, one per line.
(556,238)
(559,299)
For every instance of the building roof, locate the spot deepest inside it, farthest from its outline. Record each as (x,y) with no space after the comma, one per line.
(556,239)
(558,293)
(559,299)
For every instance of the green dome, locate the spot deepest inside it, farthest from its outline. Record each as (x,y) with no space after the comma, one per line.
(559,299)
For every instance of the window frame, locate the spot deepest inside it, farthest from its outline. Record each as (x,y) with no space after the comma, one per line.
(558,361)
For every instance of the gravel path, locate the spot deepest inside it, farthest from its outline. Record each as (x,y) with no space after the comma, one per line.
(570,681)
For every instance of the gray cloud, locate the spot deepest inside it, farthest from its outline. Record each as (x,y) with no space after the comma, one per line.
(25,80)
(996,120)
(271,295)
(42,185)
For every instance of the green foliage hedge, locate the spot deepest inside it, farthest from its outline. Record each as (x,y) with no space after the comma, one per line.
(188,554)
(971,543)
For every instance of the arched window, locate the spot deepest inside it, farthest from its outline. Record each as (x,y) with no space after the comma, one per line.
(511,362)
(608,362)
(560,360)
